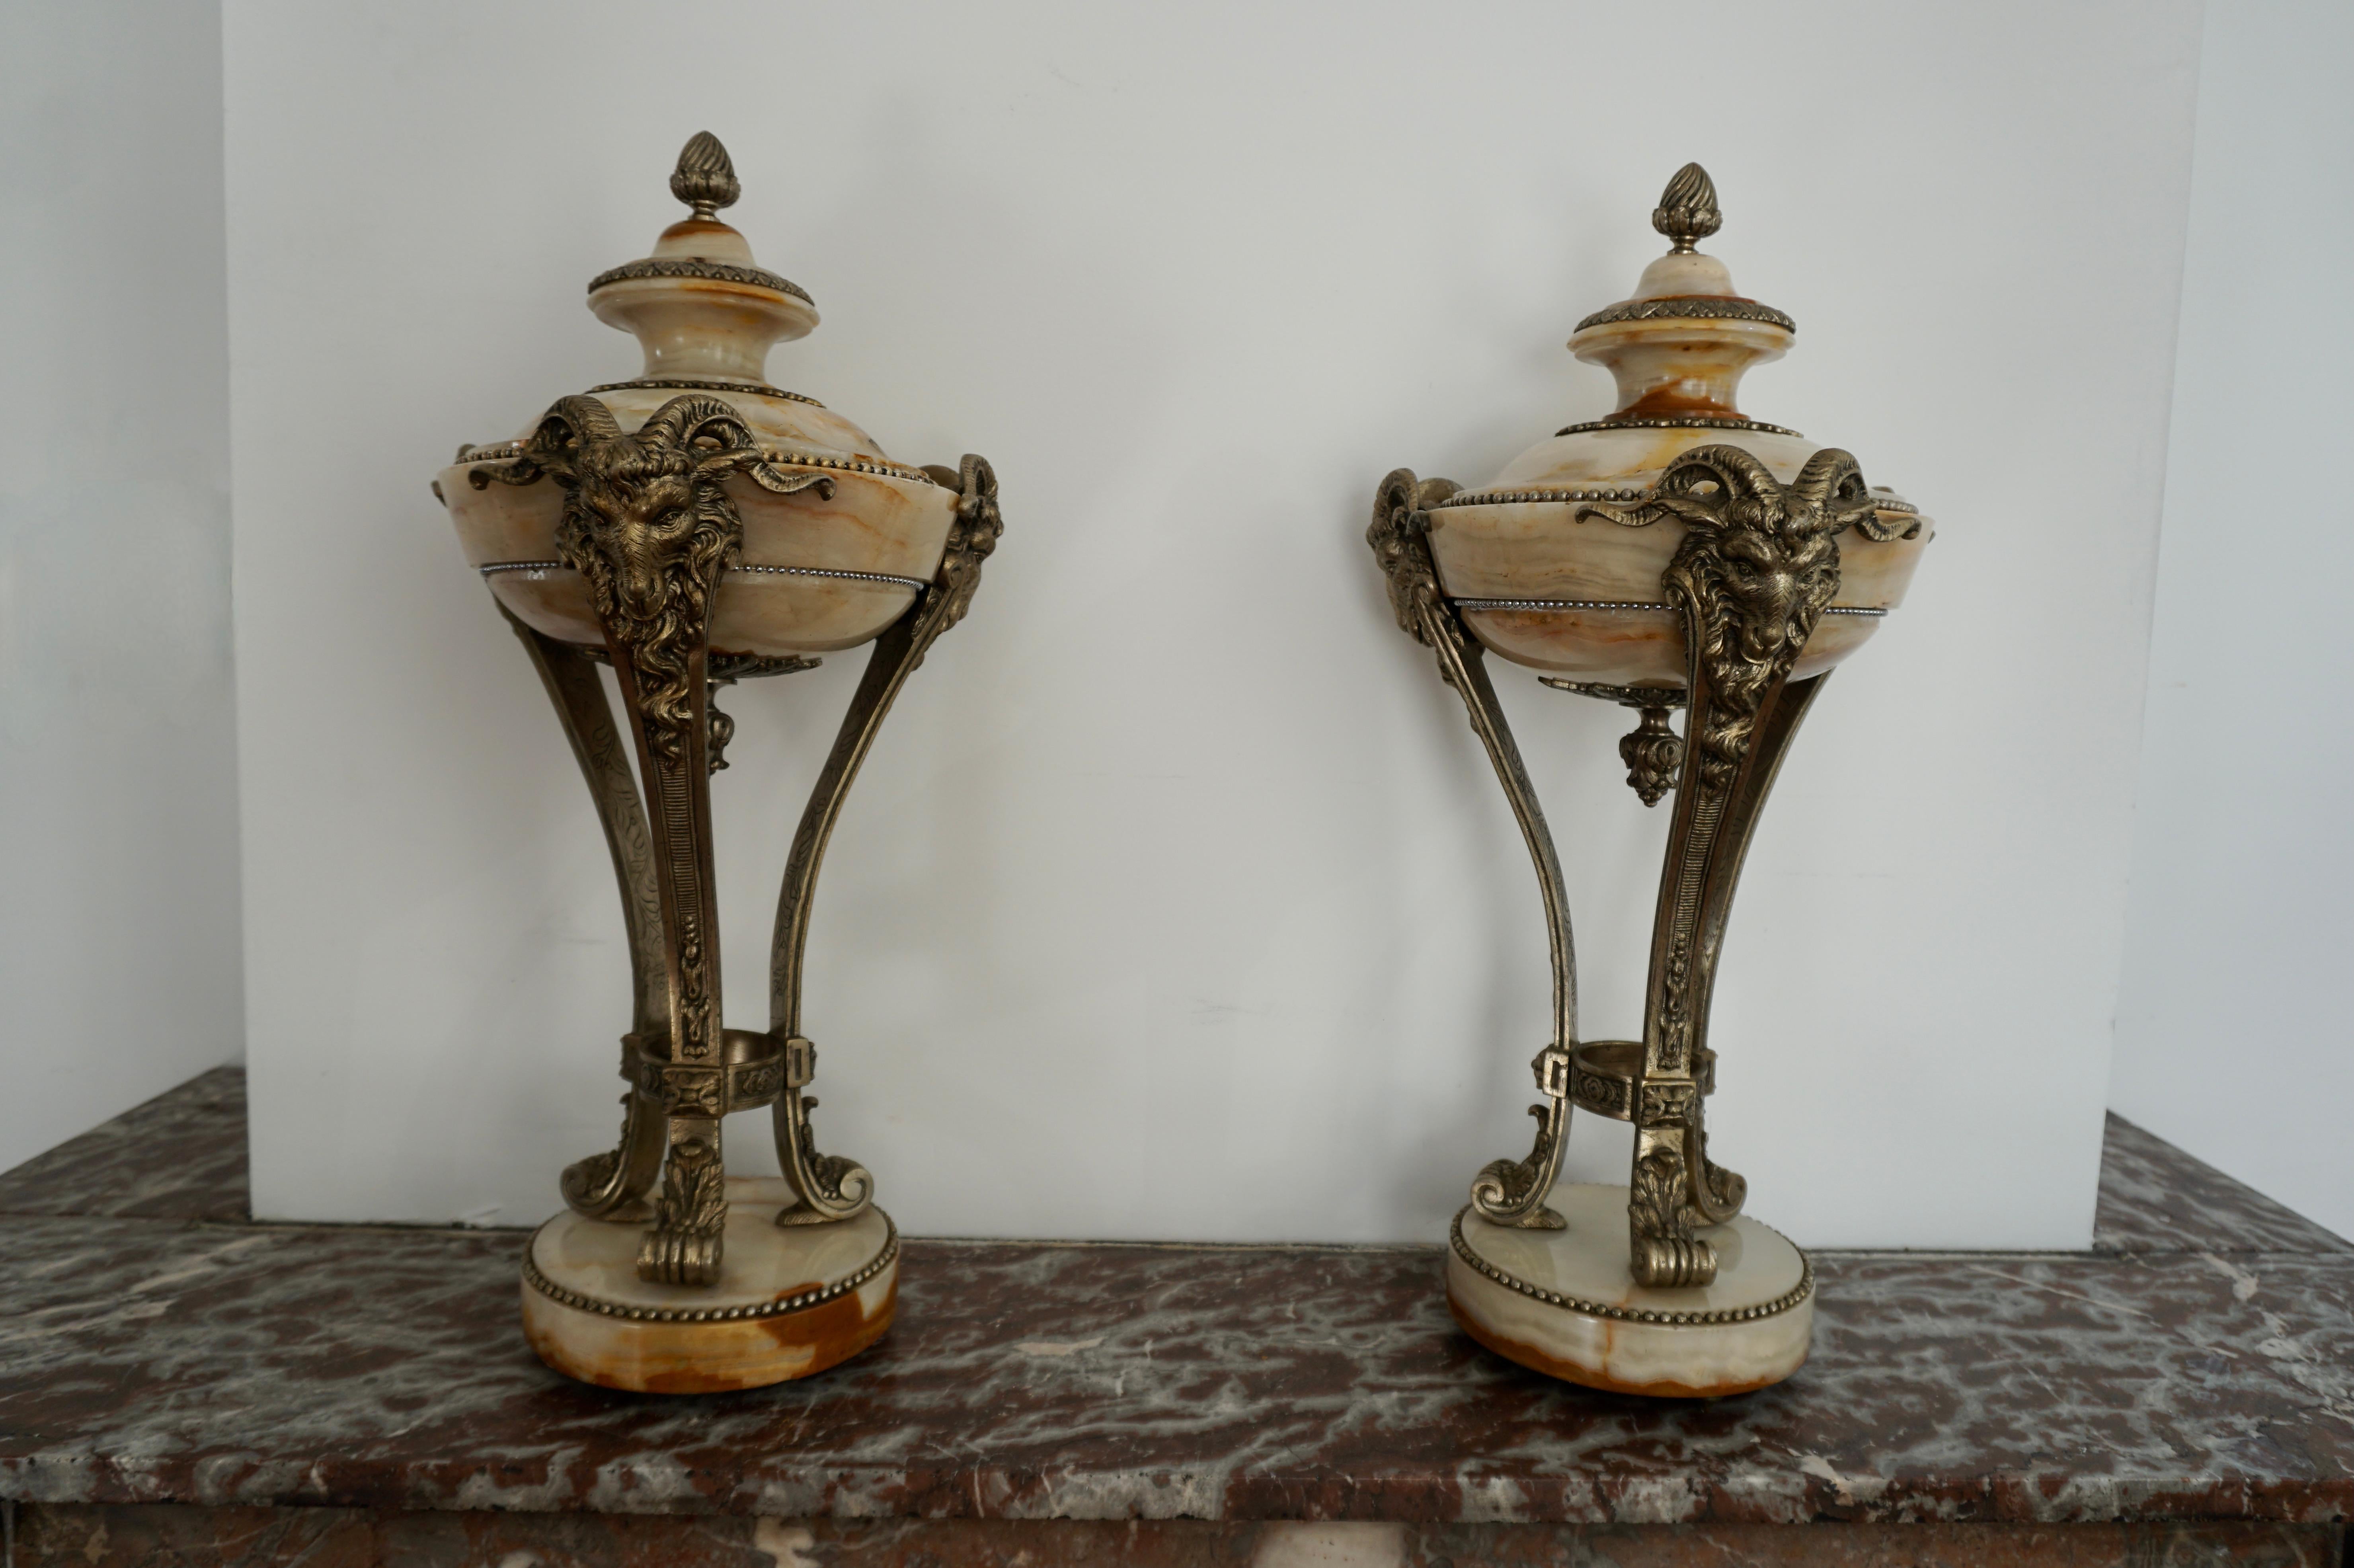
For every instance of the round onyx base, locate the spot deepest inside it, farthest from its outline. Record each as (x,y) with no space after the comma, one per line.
(1563,1302)
(791,1300)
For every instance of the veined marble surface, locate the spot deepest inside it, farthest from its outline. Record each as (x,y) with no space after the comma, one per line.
(82,1536)
(181,1156)
(2203,1368)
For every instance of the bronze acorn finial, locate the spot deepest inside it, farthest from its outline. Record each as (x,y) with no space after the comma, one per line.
(704,179)
(1687,211)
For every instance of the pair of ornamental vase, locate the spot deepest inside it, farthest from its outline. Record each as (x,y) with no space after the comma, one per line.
(695,525)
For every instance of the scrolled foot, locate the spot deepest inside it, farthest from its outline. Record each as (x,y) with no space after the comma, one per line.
(1513,1192)
(1662,1252)
(841,1185)
(1667,1263)
(1717,1193)
(609,1184)
(1504,1193)
(592,1186)
(1725,1191)
(679,1258)
(690,1219)
(829,1188)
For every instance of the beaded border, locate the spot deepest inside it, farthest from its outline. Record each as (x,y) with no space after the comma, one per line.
(918,584)
(1779,1305)
(1689,308)
(1691,422)
(508,452)
(694,267)
(1518,497)
(535,1279)
(1884,503)
(848,465)
(657,383)
(1623,604)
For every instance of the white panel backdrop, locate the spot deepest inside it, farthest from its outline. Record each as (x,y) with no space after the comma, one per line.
(1177,899)
(118,804)
(2233,1023)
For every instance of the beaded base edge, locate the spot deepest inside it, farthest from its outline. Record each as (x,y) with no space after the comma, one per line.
(615,1344)
(1734,1347)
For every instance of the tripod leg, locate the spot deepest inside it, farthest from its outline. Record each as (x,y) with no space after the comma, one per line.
(829,1187)
(1717,1193)
(687,1077)
(1757,564)
(612,1184)
(1507,1192)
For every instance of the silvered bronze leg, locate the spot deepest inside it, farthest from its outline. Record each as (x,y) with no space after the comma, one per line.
(688,1075)
(1507,1192)
(1717,1193)
(1757,567)
(829,1187)
(1675,1186)
(613,1185)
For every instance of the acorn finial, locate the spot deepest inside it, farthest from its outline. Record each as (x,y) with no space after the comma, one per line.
(706,180)
(1687,211)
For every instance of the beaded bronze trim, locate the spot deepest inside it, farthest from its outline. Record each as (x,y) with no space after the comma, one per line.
(1780,1304)
(1518,497)
(493,452)
(1524,497)
(1562,604)
(847,466)
(1620,604)
(758,389)
(696,267)
(918,584)
(1689,307)
(1692,423)
(556,1293)
(508,452)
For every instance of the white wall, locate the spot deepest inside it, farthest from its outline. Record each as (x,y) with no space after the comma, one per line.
(118,806)
(1177,899)
(2234,1025)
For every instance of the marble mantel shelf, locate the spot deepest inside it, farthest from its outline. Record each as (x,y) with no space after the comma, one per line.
(157,1347)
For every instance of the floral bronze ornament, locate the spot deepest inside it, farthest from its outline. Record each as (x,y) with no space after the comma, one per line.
(1653,754)
(691,528)
(1729,596)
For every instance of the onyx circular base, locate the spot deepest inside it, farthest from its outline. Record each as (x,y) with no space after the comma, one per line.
(1563,1303)
(791,1300)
